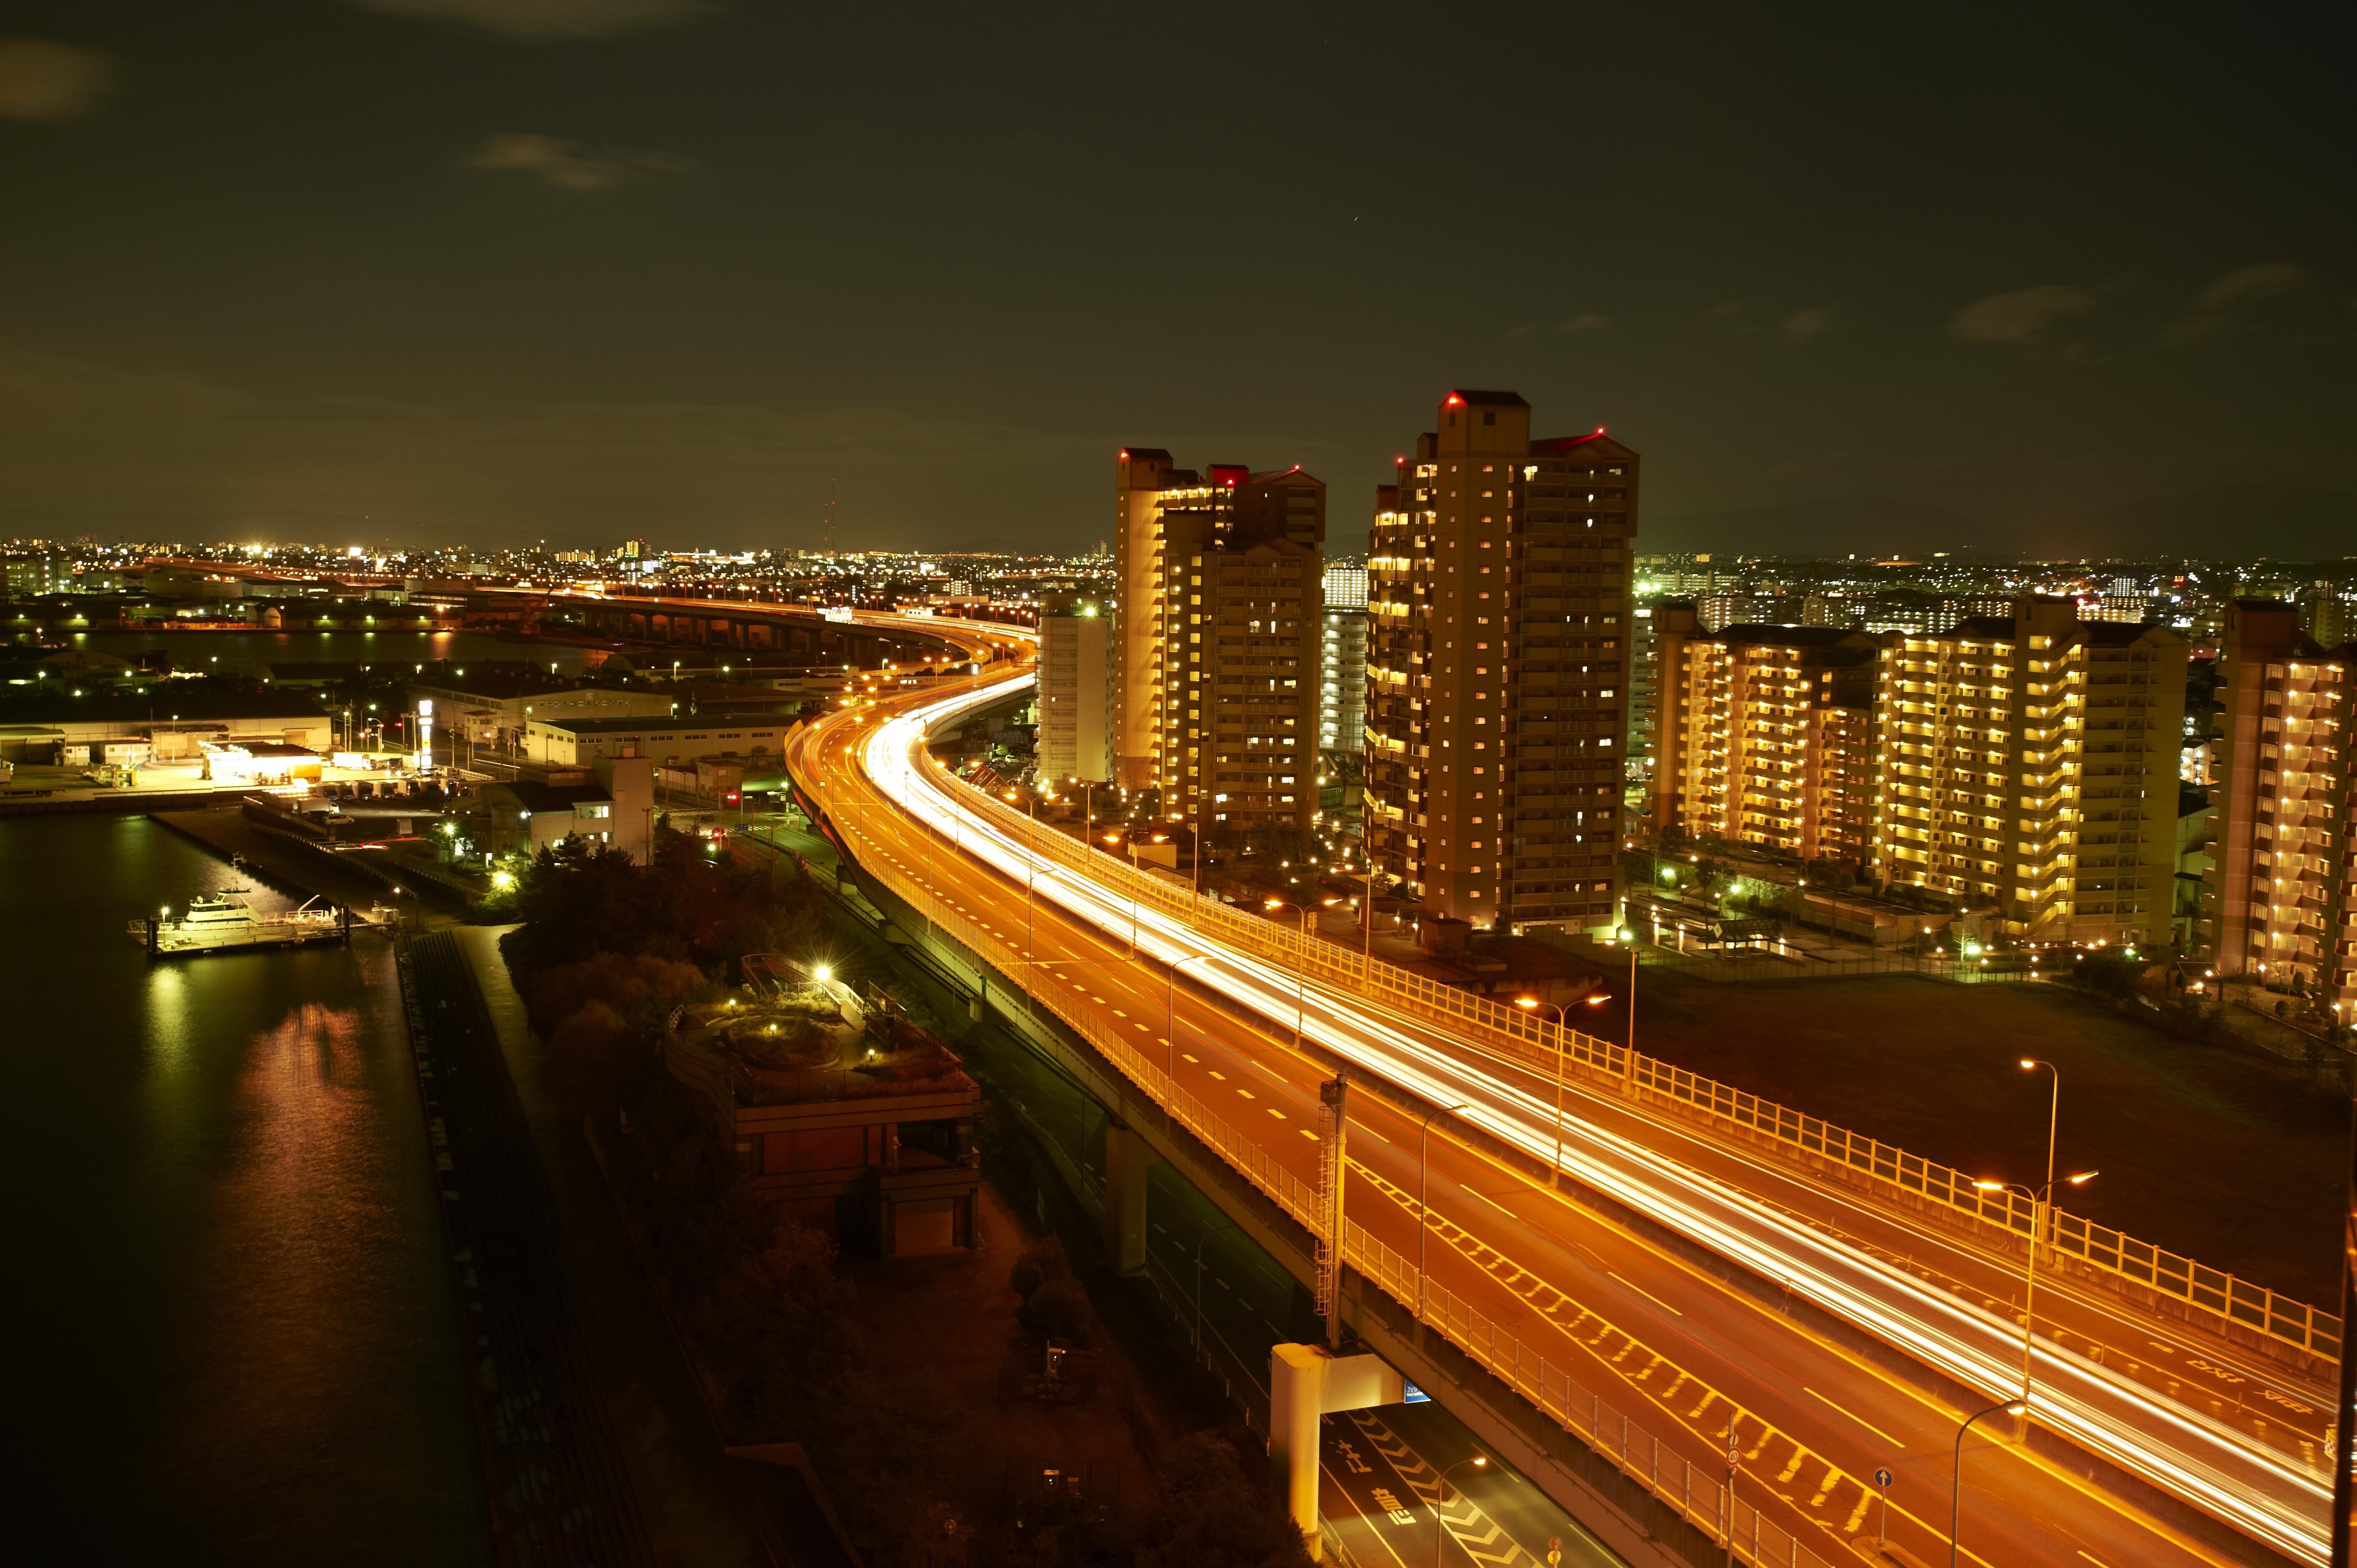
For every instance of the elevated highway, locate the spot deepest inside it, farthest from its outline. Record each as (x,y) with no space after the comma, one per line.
(1662,1290)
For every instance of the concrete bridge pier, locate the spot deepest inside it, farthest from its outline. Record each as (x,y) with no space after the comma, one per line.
(1128,1158)
(1305,1382)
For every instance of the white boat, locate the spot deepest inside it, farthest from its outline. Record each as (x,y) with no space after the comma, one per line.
(224,921)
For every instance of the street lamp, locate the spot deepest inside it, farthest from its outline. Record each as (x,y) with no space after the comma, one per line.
(1440,1526)
(1300,964)
(1562,1027)
(1956,1469)
(1424,1196)
(2053,1117)
(1171,1018)
(2038,1203)
(1629,940)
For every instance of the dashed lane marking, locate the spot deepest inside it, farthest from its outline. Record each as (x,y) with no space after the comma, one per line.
(1894,1442)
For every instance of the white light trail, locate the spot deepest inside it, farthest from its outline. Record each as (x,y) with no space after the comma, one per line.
(2174,1447)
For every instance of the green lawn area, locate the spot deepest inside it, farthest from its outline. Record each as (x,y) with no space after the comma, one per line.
(2232,1159)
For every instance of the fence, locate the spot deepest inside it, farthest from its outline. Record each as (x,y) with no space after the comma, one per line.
(1751,970)
(1697,1493)
(1528,1035)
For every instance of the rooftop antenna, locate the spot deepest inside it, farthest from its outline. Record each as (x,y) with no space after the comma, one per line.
(826,531)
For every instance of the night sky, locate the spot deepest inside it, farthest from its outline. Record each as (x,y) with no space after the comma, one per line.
(2056,276)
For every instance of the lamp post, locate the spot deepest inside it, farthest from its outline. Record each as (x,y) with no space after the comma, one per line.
(1170,1013)
(1956,1469)
(2040,1202)
(1629,940)
(2053,1122)
(1562,1027)
(1440,1526)
(1300,965)
(1424,1196)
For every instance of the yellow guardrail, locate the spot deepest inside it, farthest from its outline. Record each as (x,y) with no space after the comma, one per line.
(1528,1035)
(1696,1493)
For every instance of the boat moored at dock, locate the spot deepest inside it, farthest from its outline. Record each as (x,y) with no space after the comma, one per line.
(227,921)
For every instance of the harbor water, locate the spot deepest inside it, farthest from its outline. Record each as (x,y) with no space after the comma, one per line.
(229,1310)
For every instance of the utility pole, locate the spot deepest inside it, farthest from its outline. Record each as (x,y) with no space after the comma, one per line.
(1333,1164)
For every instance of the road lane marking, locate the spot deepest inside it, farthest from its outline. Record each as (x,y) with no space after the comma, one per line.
(1649,1295)
(1494,1203)
(1894,1442)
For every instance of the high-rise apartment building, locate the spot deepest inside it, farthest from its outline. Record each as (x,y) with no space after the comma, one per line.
(1765,735)
(2030,762)
(1217,655)
(1342,662)
(1076,691)
(1497,668)
(2282,907)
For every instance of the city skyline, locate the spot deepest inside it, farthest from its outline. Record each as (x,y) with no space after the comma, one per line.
(1666,883)
(1886,292)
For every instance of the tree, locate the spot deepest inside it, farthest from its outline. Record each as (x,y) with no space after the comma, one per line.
(1212,1515)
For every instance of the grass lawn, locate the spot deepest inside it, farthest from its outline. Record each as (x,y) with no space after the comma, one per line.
(2234,1159)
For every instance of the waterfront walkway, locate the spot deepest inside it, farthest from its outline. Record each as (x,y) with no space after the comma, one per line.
(693,1506)
(559,1488)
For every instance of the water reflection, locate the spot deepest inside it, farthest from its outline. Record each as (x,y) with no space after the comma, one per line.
(229,1269)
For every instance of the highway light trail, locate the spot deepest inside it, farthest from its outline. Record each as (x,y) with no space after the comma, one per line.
(2258,1491)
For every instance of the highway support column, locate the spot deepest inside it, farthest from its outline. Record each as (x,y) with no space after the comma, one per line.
(1127,1159)
(1305,1383)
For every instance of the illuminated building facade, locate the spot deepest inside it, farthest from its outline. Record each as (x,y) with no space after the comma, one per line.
(1076,693)
(2029,763)
(1342,662)
(1766,735)
(1497,668)
(2279,895)
(1218,643)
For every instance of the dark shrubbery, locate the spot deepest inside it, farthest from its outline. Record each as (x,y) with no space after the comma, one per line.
(691,904)
(606,950)
(1212,1513)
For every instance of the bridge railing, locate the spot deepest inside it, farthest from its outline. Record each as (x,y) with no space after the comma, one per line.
(1696,1493)
(1533,1040)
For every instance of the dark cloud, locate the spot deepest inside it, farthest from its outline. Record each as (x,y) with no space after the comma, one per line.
(42,79)
(567,165)
(2026,315)
(1804,326)
(549,18)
